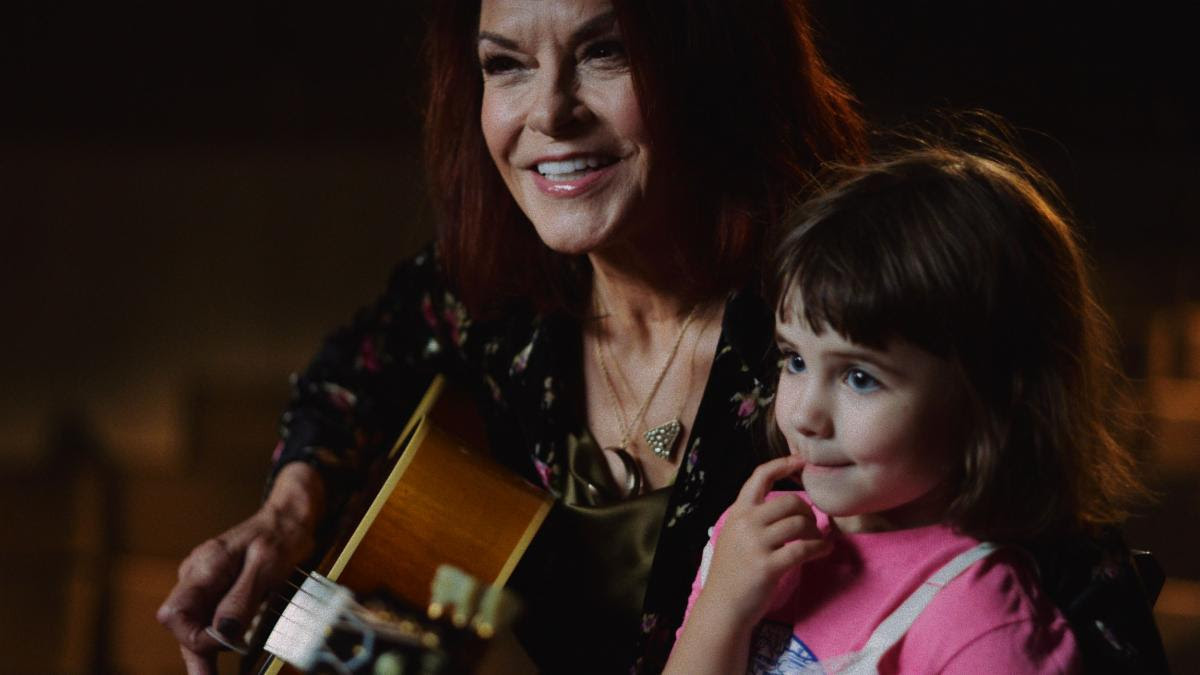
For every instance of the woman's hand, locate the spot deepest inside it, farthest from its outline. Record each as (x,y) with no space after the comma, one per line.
(760,541)
(224,580)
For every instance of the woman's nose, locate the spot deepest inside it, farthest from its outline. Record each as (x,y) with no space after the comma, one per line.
(556,109)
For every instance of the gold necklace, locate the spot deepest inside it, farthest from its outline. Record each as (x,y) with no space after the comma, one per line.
(661,438)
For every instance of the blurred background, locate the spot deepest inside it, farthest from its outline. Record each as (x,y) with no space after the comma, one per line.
(192,193)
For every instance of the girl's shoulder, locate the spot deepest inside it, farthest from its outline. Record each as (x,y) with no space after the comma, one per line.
(992,616)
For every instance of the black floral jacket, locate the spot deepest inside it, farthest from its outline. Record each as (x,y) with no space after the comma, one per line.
(525,370)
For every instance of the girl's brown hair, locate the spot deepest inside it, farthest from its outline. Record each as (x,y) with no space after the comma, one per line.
(966,255)
(738,103)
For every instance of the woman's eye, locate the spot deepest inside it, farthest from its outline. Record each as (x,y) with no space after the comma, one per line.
(861,381)
(495,65)
(792,362)
(605,50)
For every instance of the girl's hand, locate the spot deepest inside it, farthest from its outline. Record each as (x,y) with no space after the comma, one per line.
(760,541)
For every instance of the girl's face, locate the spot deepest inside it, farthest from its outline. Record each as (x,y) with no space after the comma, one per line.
(561,120)
(876,428)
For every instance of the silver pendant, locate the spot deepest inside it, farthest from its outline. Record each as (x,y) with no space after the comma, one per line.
(662,438)
(633,471)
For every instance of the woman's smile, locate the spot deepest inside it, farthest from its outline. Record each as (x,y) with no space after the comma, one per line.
(572,175)
(561,120)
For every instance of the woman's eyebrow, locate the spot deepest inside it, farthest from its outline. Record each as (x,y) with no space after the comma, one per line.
(593,27)
(504,42)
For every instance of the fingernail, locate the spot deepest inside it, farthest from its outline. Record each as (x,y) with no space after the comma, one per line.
(229,634)
(231,629)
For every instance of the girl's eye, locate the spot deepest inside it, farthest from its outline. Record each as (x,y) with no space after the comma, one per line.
(605,50)
(792,362)
(861,381)
(498,64)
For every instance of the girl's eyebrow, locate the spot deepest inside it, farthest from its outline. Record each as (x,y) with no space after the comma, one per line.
(873,357)
(593,27)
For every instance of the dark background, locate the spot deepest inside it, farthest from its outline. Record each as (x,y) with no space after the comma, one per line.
(191,193)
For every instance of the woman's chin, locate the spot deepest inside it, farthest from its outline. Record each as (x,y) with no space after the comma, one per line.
(572,238)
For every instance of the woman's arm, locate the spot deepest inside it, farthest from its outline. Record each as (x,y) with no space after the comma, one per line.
(223,580)
(347,406)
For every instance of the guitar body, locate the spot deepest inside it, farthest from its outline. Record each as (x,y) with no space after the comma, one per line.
(443,502)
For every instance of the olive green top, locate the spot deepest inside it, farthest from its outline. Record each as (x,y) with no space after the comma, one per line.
(598,570)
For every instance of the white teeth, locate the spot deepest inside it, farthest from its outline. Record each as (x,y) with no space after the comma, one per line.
(573,165)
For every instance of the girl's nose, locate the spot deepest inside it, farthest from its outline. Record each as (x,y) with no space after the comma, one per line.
(810,415)
(556,109)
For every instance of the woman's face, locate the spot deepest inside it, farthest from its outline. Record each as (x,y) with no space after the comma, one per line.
(561,120)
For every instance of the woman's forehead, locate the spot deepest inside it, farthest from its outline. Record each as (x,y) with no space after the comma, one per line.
(559,18)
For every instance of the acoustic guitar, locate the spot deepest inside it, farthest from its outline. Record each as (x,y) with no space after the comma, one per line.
(443,503)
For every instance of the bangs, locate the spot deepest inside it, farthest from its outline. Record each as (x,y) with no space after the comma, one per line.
(883,269)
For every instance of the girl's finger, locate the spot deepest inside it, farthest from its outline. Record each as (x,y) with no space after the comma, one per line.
(795,552)
(760,482)
(791,528)
(780,506)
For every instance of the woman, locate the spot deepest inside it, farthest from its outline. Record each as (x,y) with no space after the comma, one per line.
(604,171)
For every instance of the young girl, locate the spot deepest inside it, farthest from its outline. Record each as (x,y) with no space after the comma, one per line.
(942,395)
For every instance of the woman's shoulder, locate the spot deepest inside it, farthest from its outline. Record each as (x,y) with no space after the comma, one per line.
(748,325)
(419,282)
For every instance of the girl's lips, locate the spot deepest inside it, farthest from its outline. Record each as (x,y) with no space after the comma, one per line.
(572,188)
(826,468)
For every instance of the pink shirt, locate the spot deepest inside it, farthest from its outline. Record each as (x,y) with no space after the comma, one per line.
(991,618)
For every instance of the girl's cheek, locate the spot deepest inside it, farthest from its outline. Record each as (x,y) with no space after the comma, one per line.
(791,446)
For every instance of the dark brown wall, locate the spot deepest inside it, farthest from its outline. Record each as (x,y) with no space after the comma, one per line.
(191,193)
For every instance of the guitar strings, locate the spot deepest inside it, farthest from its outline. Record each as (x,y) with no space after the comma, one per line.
(355,617)
(348,620)
(320,579)
(343,624)
(300,588)
(351,616)
(327,583)
(289,600)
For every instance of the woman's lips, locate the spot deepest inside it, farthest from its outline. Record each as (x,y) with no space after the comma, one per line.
(575,186)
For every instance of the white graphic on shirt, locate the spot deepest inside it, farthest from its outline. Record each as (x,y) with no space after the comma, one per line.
(774,650)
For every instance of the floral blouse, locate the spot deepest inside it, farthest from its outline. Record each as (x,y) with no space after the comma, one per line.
(525,371)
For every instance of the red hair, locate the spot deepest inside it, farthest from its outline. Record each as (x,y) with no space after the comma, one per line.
(735,97)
